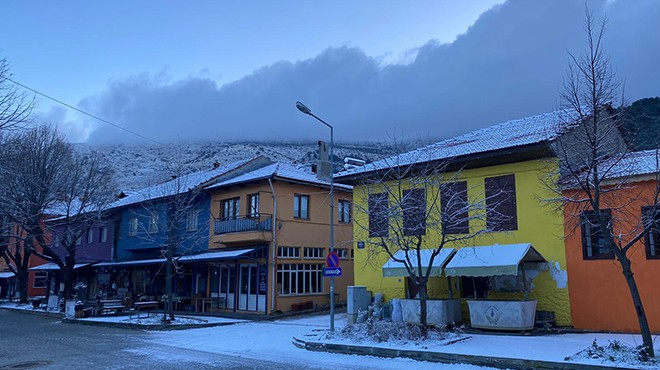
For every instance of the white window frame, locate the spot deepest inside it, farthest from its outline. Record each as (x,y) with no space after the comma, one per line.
(314,252)
(153,223)
(104,234)
(90,236)
(343,253)
(132,226)
(192,220)
(300,279)
(40,275)
(288,252)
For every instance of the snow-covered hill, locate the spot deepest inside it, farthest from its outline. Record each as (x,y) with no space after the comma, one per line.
(138,166)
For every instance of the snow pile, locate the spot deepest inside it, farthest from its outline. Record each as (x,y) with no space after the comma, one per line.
(379,331)
(157,319)
(615,353)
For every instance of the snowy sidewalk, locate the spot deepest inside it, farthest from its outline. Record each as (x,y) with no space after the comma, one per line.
(273,340)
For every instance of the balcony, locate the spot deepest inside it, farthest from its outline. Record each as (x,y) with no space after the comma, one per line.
(261,222)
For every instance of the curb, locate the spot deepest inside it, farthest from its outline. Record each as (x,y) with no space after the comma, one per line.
(33,312)
(156,327)
(447,358)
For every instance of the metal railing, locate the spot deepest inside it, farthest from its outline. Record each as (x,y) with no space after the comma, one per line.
(260,222)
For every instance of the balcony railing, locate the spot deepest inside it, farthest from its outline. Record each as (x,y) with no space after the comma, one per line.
(261,222)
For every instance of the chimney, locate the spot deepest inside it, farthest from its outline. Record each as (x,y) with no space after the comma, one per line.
(216,164)
(315,168)
(324,168)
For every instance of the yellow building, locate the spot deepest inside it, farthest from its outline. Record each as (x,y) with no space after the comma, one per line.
(276,221)
(513,159)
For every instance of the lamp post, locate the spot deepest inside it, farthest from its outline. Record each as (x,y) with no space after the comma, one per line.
(303,108)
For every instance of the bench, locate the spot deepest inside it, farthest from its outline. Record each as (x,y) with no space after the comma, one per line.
(141,306)
(109,307)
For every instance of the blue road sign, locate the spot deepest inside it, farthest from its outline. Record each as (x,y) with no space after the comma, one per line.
(336,271)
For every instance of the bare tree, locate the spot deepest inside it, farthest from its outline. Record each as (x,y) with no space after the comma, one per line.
(15,106)
(415,207)
(31,172)
(594,161)
(87,190)
(180,201)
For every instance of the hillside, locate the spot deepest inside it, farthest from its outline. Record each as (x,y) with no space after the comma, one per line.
(138,166)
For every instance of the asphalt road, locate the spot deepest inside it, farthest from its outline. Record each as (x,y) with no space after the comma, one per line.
(29,341)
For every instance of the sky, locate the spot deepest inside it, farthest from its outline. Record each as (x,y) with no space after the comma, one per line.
(375,70)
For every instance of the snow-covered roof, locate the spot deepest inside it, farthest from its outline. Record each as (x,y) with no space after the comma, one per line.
(6,274)
(636,164)
(206,256)
(178,185)
(394,268)
(51,266)
(280,170)
(491,260)
(516,133)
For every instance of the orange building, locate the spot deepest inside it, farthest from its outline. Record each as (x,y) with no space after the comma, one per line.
(599,295)
(276,220)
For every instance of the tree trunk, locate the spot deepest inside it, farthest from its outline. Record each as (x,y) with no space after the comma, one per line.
(68,277)
(169,309)
(423,297)
(639,307)
(22,277)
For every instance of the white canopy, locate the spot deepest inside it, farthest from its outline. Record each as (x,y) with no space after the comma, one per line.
(6,275)
(50,266)
(208,256)
(393,268)
(492,260)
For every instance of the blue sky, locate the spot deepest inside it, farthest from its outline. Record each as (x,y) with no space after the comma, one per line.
(171,70)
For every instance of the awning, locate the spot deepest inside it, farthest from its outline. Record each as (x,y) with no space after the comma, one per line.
(202,257)
(50,266)
(492,260)
(393,268)
(6,275)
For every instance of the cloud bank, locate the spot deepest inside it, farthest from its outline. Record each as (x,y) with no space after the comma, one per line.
(509,64)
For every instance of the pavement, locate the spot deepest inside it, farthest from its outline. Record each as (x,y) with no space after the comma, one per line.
(536,352)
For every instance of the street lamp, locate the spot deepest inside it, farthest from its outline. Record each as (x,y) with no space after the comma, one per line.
(303,108)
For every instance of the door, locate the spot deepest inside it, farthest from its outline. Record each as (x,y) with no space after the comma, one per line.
(248,288)
(228,285)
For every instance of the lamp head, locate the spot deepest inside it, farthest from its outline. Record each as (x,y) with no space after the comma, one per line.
(303,108)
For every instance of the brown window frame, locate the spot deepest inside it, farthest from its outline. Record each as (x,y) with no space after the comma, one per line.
(457,207)
(298,211)
(414,212)
(652,237)
(344,211)
(253,208)
(594,235)
(236,201)
(501,203)
(378,217)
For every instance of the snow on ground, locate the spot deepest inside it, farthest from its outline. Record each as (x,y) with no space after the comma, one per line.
(272,341)
(155,319)
(27,307)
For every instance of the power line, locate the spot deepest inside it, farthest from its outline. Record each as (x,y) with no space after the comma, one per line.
(83,112)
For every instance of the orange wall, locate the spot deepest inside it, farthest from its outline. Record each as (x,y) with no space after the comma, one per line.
(292,232)
(599,294)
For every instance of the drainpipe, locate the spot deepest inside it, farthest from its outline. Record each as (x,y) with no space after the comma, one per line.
(274,244)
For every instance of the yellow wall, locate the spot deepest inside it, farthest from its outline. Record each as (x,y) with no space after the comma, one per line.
(538,223)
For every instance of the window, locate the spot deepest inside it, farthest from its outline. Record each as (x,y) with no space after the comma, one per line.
(651,216)
(314,252)
(501,214)
(231,208)
(342,253)
(414,212)
(153,222)
(299,278)
(90,236)
(593,241)
(378,215)
(40,278)
(253,205)
(454,208)
(79,240)
(288,252)
(104,234)
(132,226)
(192,219)
(344,211)
(301,206)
